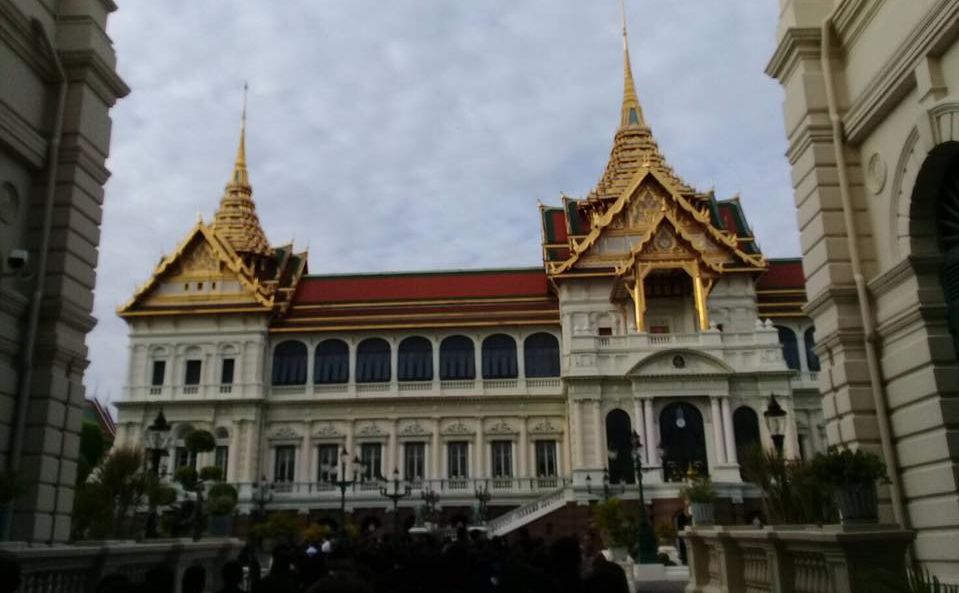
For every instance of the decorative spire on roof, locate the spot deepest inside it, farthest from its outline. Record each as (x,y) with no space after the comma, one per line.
(634,146)
(236,220)
(632,112)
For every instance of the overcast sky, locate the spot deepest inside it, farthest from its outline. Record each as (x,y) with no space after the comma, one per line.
(419,134)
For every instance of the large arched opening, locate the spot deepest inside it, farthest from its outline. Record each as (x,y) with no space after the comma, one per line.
(619,447)
(683,442)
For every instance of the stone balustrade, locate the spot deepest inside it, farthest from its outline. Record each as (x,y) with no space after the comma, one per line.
(78,568)
(798,559)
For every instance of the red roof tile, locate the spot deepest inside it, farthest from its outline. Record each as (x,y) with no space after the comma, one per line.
(783,274)
(422,286)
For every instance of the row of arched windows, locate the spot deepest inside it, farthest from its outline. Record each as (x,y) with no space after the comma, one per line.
(791,348)
(457,361)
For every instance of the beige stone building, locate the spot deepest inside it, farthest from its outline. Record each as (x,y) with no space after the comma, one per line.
(654,311)
(872,116)
(57,85)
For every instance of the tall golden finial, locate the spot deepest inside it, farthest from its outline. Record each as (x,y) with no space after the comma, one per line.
(236,218)
(632,113)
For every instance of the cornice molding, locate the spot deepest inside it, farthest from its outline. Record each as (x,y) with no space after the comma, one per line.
(903,271)
(797,43)
(895,78)
(829,297)
(19,135)
(88,66)
(852,18)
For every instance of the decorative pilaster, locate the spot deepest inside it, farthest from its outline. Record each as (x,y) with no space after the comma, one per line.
(435,450)
(652,452)
(719,446)
(522,451)
(729,432)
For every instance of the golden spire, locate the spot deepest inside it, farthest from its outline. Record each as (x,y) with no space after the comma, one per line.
(632,112)
(236,220)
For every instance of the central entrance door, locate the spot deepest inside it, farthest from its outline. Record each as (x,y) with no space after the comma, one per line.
(619,448)
(683,441)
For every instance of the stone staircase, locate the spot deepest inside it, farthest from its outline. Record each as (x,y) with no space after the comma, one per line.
(529,512)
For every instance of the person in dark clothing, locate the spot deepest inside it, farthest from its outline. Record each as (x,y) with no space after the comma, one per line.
(114,583)
(281,578)
(9,571)
(232,575)
(159,579)
(194,580)
(607,577)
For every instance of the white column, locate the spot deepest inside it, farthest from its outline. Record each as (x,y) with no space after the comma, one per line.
(435,452)
(718,446)
(304,470)
(253,454)
(350,452)
(639,424)
(600,455)
(576,440)
(394,361)
(478,358)
(393,454)
(522,451)
(520,360)
(436,365)
(310,360)
(233,453)
(479,457)
(653,452)
(729,432)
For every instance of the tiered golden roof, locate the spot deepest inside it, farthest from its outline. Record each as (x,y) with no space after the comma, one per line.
(633,147)
(236,220)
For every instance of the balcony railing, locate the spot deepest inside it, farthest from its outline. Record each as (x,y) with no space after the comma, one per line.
(458,487)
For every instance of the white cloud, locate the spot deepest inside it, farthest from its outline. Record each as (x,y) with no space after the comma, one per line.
(417,134)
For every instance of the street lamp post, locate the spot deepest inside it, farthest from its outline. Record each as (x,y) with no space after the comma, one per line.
(431,499)
(157,443)
(775,417)
(261,496)
(342,483)
(483,497)
(396,495)
(647,539)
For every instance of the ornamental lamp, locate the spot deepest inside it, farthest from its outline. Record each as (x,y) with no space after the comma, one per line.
(158,433)
(775,417)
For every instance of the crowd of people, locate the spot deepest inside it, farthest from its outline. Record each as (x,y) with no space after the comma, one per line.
(462,563)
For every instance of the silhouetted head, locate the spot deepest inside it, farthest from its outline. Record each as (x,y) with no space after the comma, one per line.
(232,573)
(160,579)
(194,580)
(9,570)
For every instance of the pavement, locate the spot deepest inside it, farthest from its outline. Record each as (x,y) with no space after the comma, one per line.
(661,587)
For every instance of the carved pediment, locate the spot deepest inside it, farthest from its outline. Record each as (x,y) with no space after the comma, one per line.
(458,427)
(414,429)
(501,427)
(371,430)
(327,431)
(284,433)
(545,427)
(680,362)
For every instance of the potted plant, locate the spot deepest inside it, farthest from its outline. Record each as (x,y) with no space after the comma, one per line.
(617,529)
(220,503)
(701,496)
(852,475)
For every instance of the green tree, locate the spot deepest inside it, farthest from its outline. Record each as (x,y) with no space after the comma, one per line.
(93,445)
(104,503)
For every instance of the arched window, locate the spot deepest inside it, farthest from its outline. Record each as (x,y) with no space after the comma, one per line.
(415,360)
(619,448)
(499,357)
(457,359)
(541,355)
(809,339)
(289,363)
(790,348)
(331,362)
(373,361)
(746,429)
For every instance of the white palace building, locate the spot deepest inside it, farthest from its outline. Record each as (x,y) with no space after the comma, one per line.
(654,311)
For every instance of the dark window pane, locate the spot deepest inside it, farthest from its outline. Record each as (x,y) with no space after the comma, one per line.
(226,373)
(221,457)
(457,359)
(159,369)
(457,465)
(499,357)
(545,459)
(373,361)
(192,372)
(284,464)
(414,461)
(415,360)
(502,455)
(541,355)
(790,348)
(371,455)
(331,363)
(289,363)
(328,458)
